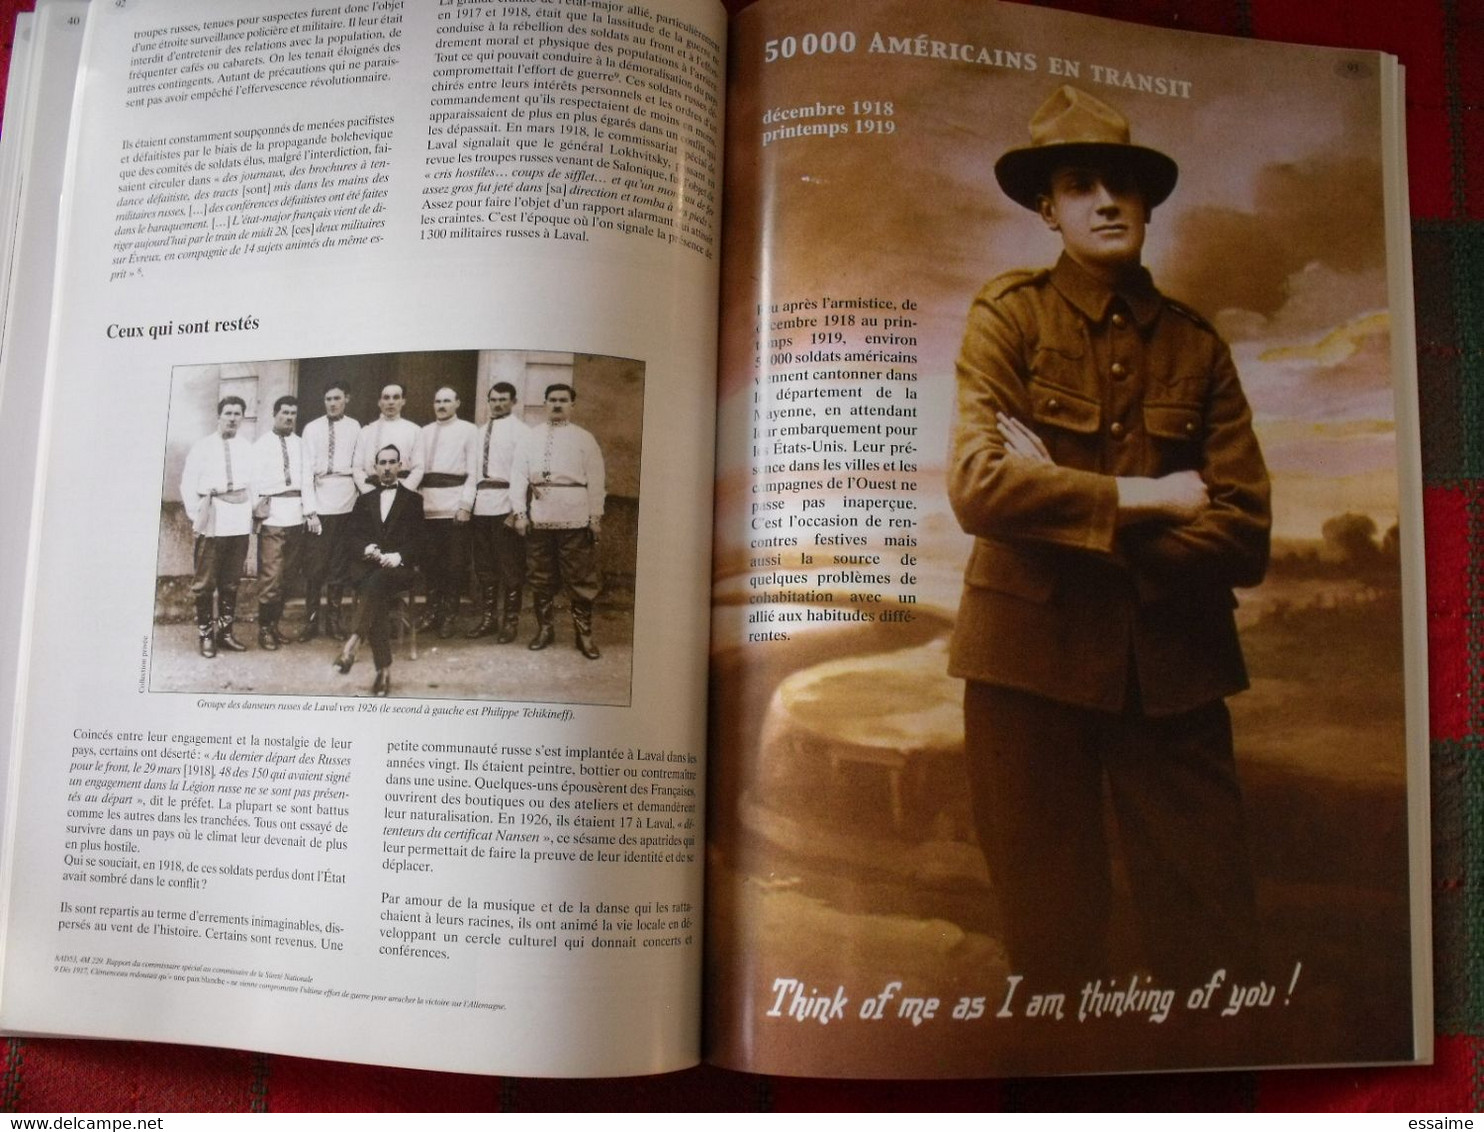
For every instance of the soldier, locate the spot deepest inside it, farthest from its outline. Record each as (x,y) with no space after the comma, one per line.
(450,467)
(499,552)
(284,501)
(215,489)
(329,457)
(556,488)
(1104,461)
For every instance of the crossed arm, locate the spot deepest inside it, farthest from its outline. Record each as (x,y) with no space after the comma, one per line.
(1179,497)
(1167,524)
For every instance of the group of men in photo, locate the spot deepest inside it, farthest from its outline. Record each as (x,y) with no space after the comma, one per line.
(365,508)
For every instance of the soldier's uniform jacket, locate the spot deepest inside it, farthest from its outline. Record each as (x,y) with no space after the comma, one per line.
(1058,601)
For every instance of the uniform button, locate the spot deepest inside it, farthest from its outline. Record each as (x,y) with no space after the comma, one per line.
(1119,369)
(1052,405)
(1190,428)
(1116,428)
(1119,321)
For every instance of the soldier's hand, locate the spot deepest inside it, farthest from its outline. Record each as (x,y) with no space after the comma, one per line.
(463,515)
(521,524)
(313,524)
(1179,497)
(595,524)
(1184,495)
(1020,441)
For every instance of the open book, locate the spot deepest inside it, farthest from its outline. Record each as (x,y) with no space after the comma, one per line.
(974,575)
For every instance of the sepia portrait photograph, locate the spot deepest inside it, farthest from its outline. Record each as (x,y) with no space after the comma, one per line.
(445,524)
(1115,774)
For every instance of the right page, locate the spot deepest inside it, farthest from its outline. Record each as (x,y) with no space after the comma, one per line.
(1067,670)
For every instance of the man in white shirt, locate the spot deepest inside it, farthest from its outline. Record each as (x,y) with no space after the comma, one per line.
(284,496)
(215,489)
(390,428)
(450,468)
(557,491)
(499,552)
(330,460)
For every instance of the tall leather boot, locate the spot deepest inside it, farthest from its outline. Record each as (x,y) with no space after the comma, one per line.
(545,632)
(582,624)
(448,613)
(333,629)
(224,636)
(510,616)
(279,636)
(267,638)
(205,626)
(311,619)
(432,607)
(487,619)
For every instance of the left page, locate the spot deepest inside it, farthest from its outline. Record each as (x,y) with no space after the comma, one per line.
(17,88)
(363,678)
(38,106)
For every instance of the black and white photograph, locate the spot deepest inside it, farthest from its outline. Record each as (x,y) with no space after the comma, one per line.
(447,524)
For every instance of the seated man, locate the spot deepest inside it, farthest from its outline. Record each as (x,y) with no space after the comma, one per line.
(387,528)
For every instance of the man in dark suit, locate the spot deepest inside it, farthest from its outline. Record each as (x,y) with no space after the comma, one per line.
(387,528)
(1105,463)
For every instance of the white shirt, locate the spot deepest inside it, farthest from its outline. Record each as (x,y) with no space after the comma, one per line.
(495,450)
(278,467)
(216,465)
(376,436)
(334,477)
(562,467)
(449,449)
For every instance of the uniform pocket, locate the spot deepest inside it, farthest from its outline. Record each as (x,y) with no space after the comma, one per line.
(1004,569)
(1174,422)
(1059,397)
(1063,409)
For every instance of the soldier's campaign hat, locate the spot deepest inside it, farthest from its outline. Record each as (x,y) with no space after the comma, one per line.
(1072,127)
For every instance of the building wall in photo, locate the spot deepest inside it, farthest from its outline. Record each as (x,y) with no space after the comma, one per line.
(610,405)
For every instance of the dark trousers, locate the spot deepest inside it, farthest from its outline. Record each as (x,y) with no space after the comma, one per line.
(217,570)
(563,560)
(499,553)
(279,551)
(1038,772)
(376,592)
(445,561)
(325,556)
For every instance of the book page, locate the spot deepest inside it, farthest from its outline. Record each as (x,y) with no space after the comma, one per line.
(17,88)
(1066,553)
(38,107)
(362,707)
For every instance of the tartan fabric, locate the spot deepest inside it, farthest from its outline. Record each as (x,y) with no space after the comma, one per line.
(1442,44)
